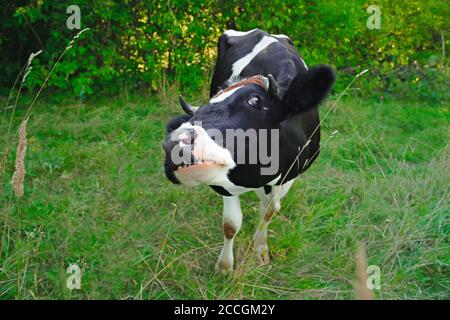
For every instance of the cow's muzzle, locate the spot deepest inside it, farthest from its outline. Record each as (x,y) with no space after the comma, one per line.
(193,157)
(178,147)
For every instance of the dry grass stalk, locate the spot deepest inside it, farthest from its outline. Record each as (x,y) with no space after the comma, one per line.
(19,173)
(29,67)
(68,47)
(360,285)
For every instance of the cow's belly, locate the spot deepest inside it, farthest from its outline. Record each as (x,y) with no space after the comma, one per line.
(228,188)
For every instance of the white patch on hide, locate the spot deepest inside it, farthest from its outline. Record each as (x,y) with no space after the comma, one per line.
(240,64)
(280,36)
(234,33)
(222,96)
(306,67)
(275,196)
(274,181)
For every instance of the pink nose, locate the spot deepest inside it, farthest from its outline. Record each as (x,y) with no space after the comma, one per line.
(186,140)
(188,137)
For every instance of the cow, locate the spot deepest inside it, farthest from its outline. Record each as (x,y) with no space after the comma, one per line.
(260,84)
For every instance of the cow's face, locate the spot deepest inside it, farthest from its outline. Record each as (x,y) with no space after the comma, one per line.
(203,146)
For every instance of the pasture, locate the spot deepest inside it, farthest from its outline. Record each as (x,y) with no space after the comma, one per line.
(96,195)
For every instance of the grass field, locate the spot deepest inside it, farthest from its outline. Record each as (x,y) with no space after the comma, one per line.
(96,195)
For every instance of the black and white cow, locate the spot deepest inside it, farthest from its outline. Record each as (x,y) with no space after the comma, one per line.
(260,83)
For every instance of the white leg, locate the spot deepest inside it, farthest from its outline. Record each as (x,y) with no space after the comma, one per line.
(266,210)
(232,220)
(270,204)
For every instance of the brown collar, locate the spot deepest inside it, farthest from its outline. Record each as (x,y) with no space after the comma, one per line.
(254,79)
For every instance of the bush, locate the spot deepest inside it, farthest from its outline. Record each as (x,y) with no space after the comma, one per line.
(134,44)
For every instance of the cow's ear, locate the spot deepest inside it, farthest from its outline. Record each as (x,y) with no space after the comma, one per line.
(308,89)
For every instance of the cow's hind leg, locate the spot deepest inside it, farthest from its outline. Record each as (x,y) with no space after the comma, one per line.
(267,208)
(232,220)
(269,205)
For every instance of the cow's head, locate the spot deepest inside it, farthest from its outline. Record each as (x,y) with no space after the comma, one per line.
(196,146)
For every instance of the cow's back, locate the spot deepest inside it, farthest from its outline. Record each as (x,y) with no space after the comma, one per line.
(275,54)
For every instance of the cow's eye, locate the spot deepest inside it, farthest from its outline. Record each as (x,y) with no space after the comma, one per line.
(254,101)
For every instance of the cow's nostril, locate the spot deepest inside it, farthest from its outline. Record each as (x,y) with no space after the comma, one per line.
(186,140)
(188,137)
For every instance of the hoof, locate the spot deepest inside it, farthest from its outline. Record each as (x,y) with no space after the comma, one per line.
(261,249)
(224,267)
(262,254)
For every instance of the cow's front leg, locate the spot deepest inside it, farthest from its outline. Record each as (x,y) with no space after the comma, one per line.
(267,210)
(232,220)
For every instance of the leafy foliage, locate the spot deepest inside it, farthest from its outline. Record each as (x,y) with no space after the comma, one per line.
(150,44)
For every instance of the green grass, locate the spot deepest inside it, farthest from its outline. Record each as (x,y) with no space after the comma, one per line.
(96,194)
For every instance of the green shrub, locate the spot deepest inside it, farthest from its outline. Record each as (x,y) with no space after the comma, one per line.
(152,44)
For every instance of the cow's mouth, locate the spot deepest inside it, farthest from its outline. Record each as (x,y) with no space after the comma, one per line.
(203,164)
(205,171)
